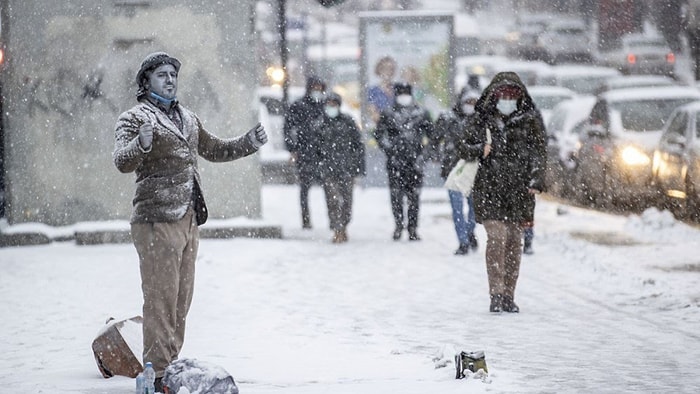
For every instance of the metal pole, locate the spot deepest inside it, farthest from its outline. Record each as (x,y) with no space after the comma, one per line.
(284,52)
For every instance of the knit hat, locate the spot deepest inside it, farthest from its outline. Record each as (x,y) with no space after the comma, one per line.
(151,62)
(402,88)
(333,97)
(468,94)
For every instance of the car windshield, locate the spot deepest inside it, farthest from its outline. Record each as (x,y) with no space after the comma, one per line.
(646,115)
(640,44)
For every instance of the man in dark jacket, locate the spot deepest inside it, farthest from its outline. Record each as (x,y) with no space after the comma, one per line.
(301,127)
(507,136)
(450,127)
(160,141)
(400,133)
(342,159)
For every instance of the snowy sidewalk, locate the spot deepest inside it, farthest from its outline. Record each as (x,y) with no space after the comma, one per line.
(302,315)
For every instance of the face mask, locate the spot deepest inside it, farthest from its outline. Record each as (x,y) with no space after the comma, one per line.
(317,96)
(507,107)
(468,109)
(332,111)
(404,99)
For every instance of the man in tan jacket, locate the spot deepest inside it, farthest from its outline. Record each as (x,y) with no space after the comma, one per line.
(160,140)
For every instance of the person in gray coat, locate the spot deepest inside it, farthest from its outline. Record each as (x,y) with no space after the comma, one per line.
(342,159)
(160,140)
(507,136)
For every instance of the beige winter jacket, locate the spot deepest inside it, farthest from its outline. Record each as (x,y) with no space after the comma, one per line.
(167,175)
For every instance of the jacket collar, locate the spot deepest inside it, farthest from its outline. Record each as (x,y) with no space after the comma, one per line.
(165,121)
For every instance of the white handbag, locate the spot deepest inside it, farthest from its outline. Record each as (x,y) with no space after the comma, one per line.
(461,177)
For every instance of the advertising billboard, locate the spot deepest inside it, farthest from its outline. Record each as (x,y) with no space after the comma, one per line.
(405,46)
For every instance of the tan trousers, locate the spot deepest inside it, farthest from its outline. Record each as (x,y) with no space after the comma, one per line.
(503,253)
(167,254)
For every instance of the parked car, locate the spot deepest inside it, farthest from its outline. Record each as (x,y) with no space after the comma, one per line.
(531,72)
(523,39)
(676,162)
(582,79)
(619,137)
(547,97)
(567,40)
(637,81)
(641,54)
(563,131)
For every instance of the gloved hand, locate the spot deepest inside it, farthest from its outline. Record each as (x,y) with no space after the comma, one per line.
(146,135)
(257,136)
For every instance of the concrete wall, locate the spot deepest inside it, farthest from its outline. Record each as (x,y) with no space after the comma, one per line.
(71,71)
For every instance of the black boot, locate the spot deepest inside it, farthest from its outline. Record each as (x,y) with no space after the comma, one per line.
(462,250)
(496,303)
(509,305)
(305,222)
(413,235)
(397,233)
(527,247)
(473,243)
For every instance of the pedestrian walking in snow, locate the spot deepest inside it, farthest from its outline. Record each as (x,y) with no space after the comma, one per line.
(510,175)
(449,128)
(399,134)
(159,140)
(301,130)
(342,159)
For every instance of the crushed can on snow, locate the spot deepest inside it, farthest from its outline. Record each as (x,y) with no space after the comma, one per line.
(118,347)
(472,361)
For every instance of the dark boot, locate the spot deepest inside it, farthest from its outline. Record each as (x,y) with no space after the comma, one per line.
(305,222)
(413,235)
(496,303)
(509,305)
(473,243)
(397,233)
(462,250)
(527,247)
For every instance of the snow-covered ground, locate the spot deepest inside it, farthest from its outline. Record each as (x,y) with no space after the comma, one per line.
(609,304)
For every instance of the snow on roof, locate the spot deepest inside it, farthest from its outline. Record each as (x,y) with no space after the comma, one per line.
(567,70)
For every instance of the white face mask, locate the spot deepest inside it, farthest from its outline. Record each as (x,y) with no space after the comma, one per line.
(317,95)
(404,99)
(468,109)
(507,107)
(332,111)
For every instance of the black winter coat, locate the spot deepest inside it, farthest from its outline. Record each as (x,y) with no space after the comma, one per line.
(342,149)
(400,133)
(302,124)
(517,160)
(450,127)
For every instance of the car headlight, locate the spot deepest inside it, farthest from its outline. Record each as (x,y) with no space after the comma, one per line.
(633,156)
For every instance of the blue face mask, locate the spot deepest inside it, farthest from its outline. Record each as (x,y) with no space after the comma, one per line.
(507,107)
(162,99)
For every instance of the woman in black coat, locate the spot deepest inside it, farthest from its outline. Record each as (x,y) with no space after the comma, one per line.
(507,136)
(342,155)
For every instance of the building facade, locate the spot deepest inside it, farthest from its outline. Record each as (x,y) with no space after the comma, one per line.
(70,71)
